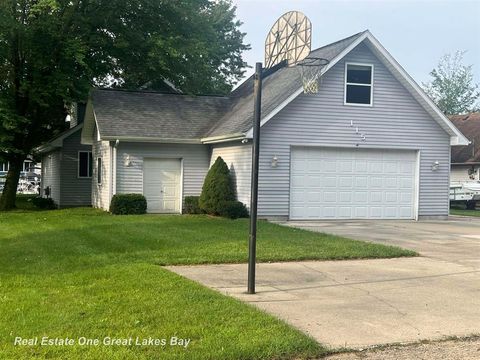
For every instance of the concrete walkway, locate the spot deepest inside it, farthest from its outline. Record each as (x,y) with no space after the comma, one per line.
(369,302)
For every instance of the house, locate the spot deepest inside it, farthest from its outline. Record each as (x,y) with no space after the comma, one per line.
(369,145)
(29,176)
(67,166)
(466,159)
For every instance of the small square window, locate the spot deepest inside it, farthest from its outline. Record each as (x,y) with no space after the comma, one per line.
(358,84)
(85,164)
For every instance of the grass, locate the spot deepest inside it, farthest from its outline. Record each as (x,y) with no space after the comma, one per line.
(82,272)
(461,212)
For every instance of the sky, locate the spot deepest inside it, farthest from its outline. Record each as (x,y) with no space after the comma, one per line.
(416,33)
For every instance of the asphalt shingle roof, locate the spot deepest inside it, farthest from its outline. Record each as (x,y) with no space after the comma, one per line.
(469,125)
(155,115)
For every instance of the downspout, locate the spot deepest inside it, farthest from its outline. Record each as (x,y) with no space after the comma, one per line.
(114,167)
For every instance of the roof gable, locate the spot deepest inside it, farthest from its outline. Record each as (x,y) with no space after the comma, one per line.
(57,142)
(456,137)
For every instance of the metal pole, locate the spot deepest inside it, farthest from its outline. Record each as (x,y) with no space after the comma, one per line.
(252,244)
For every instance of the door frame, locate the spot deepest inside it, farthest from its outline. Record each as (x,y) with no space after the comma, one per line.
(181,176)
(416,179)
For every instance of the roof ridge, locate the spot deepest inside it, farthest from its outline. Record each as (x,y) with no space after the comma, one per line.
(158,92)
(339,41)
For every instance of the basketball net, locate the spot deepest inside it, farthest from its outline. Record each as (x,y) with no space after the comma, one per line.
(310,71)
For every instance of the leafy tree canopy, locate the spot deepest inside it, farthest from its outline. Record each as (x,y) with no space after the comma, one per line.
(452,87)
(53,51)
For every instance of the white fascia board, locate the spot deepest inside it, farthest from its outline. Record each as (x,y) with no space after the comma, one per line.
(223,138)
(456,137)
(331,64)
(151,139)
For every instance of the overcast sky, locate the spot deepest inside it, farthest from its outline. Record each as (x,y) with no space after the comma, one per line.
(416,33)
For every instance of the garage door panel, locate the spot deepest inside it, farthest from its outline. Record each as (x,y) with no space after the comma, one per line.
(328,181)
(345,197)
(361,167)
(361,182)
(345,182)
(352,183)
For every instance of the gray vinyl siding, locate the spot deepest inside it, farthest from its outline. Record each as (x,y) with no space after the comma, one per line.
(101,193)
(75,191)
(395,121)
(51,166)
(239,159)
(196,159)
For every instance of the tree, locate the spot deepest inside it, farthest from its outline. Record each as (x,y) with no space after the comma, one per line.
(53,51)
(217,188)
(452,87)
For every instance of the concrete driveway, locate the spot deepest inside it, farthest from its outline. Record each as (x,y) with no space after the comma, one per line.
(455,240)
(369,302)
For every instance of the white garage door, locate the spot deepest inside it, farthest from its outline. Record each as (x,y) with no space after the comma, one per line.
(161,185)
(334,183)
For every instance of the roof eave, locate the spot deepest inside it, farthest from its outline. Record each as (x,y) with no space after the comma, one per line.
(223,138)
(57,142)
(469,163)
(151,139)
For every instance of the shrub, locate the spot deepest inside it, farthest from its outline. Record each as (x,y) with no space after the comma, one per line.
(191,205)
(128,204)
(217,187)
(44,203)
(233,209)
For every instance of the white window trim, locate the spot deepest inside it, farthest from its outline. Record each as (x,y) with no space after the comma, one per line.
(99,171)
(356,84)
(88,165)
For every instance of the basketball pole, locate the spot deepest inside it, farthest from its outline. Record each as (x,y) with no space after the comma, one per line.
(252,243)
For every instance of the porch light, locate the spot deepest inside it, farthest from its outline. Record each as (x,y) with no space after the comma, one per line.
(274,161)
(435,166)
(128,162)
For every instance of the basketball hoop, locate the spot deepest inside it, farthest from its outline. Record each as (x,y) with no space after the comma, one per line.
(310,70)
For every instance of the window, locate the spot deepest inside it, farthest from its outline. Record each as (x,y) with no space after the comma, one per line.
(85,164)
(3,166)
(358,84)
(28,166)
(99,170)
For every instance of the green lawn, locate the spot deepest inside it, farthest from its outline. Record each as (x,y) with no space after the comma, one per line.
(464,212)
(82,272)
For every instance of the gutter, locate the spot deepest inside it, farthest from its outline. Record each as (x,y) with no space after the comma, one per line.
(223,138)
(151,139)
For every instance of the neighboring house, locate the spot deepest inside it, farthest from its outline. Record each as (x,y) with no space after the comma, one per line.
(370,144)
(466,159)
(29,176)
(29,167)
(67,166)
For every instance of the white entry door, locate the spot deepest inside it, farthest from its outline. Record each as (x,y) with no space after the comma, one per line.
(336,183)
(162,185)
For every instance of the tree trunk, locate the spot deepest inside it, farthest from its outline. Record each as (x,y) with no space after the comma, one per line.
(7,200)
